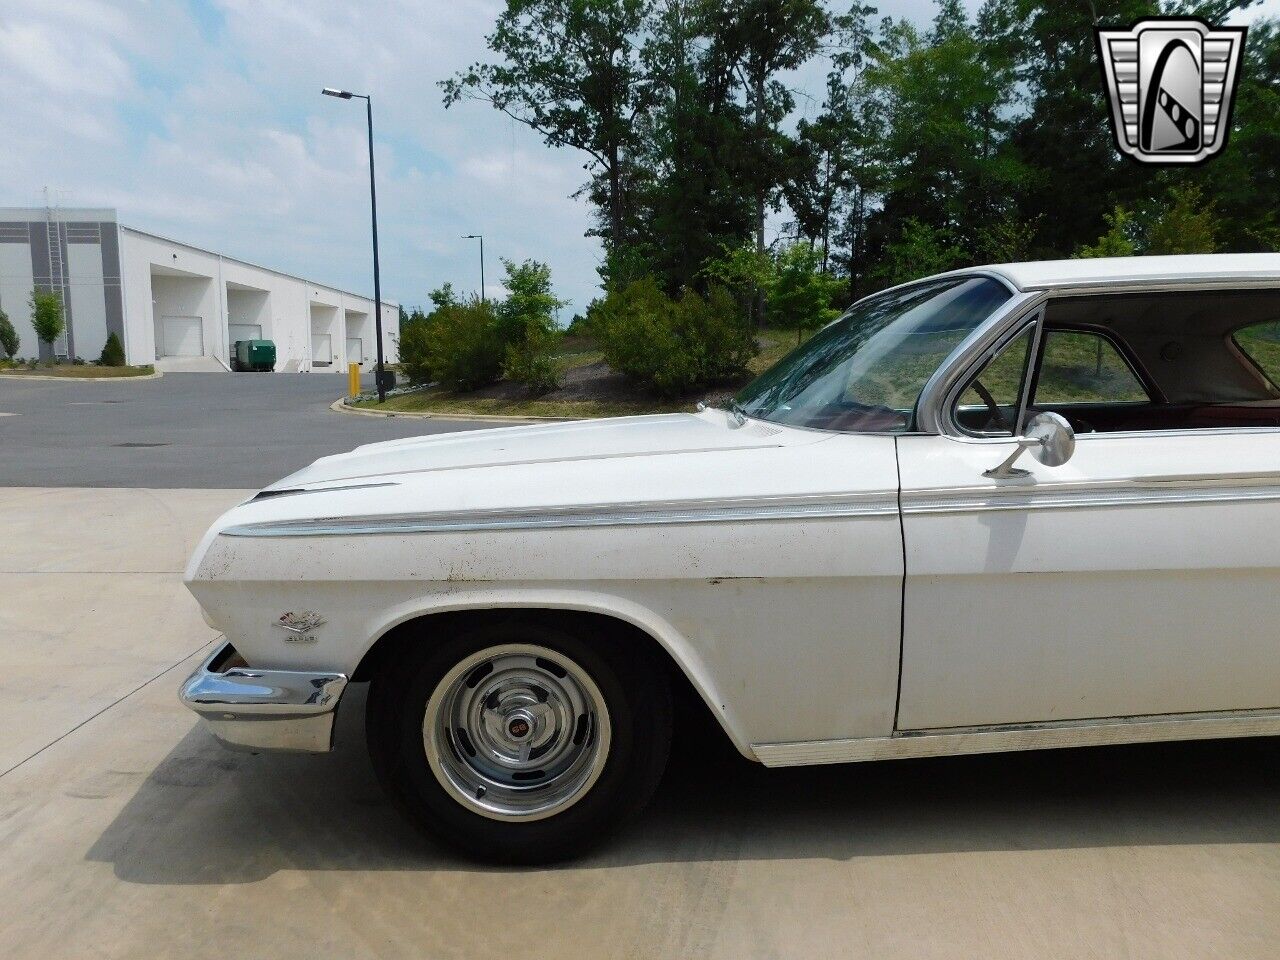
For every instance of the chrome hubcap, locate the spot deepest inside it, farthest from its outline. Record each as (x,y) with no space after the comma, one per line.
(516,732)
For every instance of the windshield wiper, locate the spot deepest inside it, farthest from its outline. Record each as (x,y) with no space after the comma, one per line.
(736,411)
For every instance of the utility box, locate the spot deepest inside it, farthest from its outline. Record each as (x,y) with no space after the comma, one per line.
(254,355)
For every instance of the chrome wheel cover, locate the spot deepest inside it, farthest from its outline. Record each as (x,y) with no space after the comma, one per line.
(516,732)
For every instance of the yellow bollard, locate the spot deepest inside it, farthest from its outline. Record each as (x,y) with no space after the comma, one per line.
(353,379)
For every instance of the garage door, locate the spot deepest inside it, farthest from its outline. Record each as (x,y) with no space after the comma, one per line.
(321,348)
(355,350)
(181,337)
(244,331)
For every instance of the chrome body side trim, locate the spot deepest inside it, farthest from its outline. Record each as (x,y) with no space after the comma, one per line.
(601,515)
(1124,493)
(247,709)
(967,740)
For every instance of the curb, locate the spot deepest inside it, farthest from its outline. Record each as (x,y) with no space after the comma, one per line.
(340,405)
(34,376)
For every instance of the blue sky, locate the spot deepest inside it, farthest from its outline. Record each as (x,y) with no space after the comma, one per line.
(203,120)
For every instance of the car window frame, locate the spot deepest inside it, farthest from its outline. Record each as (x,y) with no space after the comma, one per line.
(1035,323)
(1246,359)
(1154,394)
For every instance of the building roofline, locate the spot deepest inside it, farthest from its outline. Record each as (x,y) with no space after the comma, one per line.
(256,266)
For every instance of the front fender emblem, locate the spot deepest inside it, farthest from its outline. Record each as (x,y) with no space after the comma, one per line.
(300,625)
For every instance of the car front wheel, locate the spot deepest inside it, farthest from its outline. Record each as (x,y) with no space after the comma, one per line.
(522,740)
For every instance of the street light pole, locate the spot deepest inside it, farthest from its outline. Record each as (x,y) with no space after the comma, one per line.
(480,237)
(373,208)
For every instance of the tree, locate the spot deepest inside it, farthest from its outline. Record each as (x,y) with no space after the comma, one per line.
(801,295)
(1008,240)
(742,270)
(766,38)
(529,301)
(443,296)
(1187,225)
(919,251)
(526,322)
(1117,241)
(694,142)
(112,352)
(8,335)
(569,70)
(46,316)
(941,98)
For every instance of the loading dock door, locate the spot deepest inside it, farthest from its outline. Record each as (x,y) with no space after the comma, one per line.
(243,331)
(181,337)
(322,348)
(355,350)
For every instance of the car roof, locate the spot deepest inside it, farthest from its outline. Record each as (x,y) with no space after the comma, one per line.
(1087,272)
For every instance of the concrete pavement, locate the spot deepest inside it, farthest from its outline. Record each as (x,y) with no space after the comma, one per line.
(214,430)
(125,831)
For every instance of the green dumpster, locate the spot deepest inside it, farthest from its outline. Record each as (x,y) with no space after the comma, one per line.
(254,355)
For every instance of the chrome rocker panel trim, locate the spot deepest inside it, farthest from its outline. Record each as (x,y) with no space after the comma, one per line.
(264,710)
(1033,736)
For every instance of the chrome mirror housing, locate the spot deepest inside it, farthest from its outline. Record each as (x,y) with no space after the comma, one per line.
(1050,439)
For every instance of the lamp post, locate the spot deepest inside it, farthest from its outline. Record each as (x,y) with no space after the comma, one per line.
(480,237)
(373,208)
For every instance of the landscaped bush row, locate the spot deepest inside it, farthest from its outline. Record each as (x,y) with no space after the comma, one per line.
(672,345)
(465,345)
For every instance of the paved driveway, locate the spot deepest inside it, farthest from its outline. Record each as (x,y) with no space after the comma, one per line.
(183,430)
(127,832)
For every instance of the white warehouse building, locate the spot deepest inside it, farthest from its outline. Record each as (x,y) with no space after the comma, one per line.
(171,303)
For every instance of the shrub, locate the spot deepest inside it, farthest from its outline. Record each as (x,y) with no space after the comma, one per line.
(46,316)
(112,352)
(457,346)
(527,326)
(414,361)
(670,346)
(533,362)
(8,336)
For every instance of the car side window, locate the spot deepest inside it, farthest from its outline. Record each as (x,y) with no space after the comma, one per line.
(1260,342)
(988,405)
(1150,361)
(1080,366)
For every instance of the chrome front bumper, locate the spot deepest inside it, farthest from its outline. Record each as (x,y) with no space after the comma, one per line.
(250,709)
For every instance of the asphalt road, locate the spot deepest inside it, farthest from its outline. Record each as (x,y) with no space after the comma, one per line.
(127,832)
(184,430)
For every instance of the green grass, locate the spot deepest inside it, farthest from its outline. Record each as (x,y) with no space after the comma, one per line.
(1262,343)
(79,372)
(443,403)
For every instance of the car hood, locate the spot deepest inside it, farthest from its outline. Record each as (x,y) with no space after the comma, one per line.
(624,437)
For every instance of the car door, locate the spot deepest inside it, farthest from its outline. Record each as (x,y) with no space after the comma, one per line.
(1142,577)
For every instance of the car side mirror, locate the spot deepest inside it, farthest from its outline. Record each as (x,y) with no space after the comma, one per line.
(1050,439)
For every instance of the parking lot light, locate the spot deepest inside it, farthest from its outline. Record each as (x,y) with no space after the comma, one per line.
(373,209)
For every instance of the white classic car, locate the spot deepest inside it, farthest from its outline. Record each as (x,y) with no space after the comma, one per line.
(1021,506)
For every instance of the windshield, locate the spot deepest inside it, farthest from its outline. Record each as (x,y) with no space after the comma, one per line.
(865,371)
